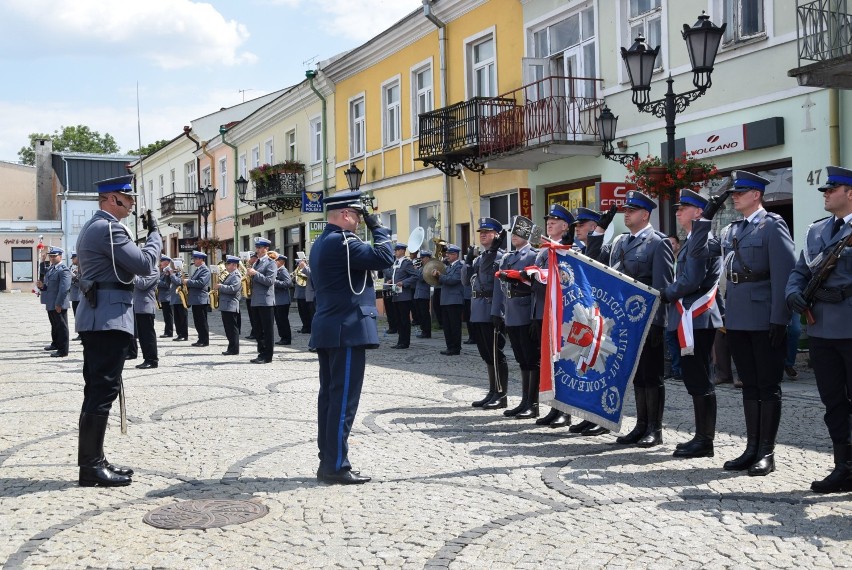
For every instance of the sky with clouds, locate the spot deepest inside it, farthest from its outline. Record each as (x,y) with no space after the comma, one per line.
(76,62)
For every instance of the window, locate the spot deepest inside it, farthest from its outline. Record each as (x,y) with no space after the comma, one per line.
(223,178)
(205,177)
(357,128)
(162,181)
(268,152)
(191,178)
(246,243)
(316,140)
(421,95)
(744,18)
(22,264)
(255,157)
(172,181)
(290,137)
(502,208)
(390,97)
(429,218)
(482,64)
(644,18)
(270,235)
(389,221)
(243,169)
(150,201)
(570,45)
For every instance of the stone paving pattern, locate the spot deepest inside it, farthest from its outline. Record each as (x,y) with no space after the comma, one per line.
(453,487)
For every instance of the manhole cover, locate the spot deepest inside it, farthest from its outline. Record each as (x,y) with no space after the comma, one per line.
(205,513)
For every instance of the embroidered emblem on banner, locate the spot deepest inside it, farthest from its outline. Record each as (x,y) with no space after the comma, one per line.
(635,307)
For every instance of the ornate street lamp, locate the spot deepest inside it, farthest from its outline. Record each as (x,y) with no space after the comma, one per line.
(241,184)
(606,127)
(353,177)
(206,198)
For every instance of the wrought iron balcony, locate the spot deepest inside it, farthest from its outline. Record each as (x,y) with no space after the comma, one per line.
(282,191)
(824,38)
(179,204)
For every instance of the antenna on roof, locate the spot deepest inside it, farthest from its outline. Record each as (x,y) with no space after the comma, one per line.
(310,61)
(243,91)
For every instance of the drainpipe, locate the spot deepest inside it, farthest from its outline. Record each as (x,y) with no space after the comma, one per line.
(442,50)
(212,178)
(311,74)
(186,130)
(834,127)
(222,130)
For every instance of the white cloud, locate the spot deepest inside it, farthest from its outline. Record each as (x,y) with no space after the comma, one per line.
(363,19)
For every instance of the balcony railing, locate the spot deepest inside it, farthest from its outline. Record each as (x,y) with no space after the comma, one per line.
(179,204)
(282,191)
(825,30)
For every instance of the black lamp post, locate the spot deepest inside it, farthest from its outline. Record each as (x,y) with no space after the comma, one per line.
(606,127)
(241,185)
(206,198)
(702,43)
(353,179)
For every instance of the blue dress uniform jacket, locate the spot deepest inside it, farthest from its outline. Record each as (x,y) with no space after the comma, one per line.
(230,291)
(648,259)
(517,303)
(423,290)
(452,292)
(263,283)
(108,254)
(408,275)
(175,281)
(164,287)
(699,266)
(832,319)
(765,247)
(74,292)
(57,283)
(487,296)
(345,317)
(283,281)
(144,293)
(199,285)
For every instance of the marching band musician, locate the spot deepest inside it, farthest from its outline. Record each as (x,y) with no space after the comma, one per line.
(109,259)
(179,311)
(199,298)
(422,294)
(304,295)
(452,301)
(759,257)
(55,298)
(486,311)
(829,337)
(144,305)
(252,335)
(517,308)
(283,281)
(164,288)
(262,275)
(230,291)
(404,278)
(387,297)
(344,325)
(694,315)
(645,255)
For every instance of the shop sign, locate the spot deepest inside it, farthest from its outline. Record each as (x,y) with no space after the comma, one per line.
(715,143)
(311,202)
(525,202)
(187,245)
(315,229)
(613,194)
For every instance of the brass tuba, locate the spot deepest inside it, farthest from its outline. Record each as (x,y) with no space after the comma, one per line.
(182,290)
(245,256)
(220,274)
(436,263)
(299,275)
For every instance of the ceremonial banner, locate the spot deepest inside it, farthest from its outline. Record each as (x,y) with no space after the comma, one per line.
(595,322)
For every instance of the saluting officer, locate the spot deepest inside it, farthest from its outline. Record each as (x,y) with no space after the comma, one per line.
(263,300)
(694,314)
(178,310)
(283,282)
(230,291)
(830,335)
(144,306)
(344,325)
(758,258)
(486,310)
(646,255)
(422,296)
(517,310)
(164,295)
(109,259)
(586,223)
(452,301)
(404,278)
(199,297)
(55,297)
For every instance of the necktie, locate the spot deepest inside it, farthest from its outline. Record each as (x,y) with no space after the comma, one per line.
(630,240)
(838,223)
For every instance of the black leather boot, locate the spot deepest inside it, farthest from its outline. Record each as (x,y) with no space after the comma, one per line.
(491,389)
(705,428)
(641,428)
(118,470)
(770,417)
(562,420)
(525,387)
(502,385)
(751,408)
(90,454)
(840,479)
(546,420)
(532,398)
(655,399)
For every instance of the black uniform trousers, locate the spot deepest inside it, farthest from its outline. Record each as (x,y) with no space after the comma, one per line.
(403,321)
(103,363)
(696,368)
(265,331)
(452,318)
(231,324)
(437,311)
(424,316)
(252,318)
(181,321)
(390,312)
(306,315)
(59,329)
(199,320)
(527,354)
(341,378)
(74,305)
(651,367)
(147,336)
(168,318)
(466,315)
(483,334)
(759,366)
(831,359)
(282,320)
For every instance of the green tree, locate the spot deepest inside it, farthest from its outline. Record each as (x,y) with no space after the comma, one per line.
(71,139)
(149,149)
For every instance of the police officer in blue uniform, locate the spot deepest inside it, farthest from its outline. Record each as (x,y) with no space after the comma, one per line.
(344,325)
(404,277)
(304,295)
(694,310)
(262,275)
(758,258)
(230,291)
(144,307)
(109,259)
(586,222)
(645,255)
(283,282)
(452,301)
(830,335)
(164,295)
(422,297)
(199,299)
(486,310)
(517,311)
(55,298)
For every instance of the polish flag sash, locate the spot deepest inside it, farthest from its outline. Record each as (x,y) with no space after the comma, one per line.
(684,329)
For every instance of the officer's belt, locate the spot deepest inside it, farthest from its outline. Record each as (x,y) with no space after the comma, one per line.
(115,286)
(481,294)
(746,277)
(511,294)
(832,294)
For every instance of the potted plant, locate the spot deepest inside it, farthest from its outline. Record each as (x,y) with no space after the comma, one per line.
(661,180)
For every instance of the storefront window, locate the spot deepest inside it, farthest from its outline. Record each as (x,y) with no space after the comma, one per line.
(22,264)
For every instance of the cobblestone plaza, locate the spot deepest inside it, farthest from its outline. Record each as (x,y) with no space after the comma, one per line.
(453,486)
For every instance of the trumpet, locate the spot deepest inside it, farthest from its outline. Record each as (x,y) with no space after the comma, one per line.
(221,274)
(299,275)
(182,290)
(246,282)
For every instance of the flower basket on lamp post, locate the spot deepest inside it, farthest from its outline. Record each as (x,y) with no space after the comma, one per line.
(659,180)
